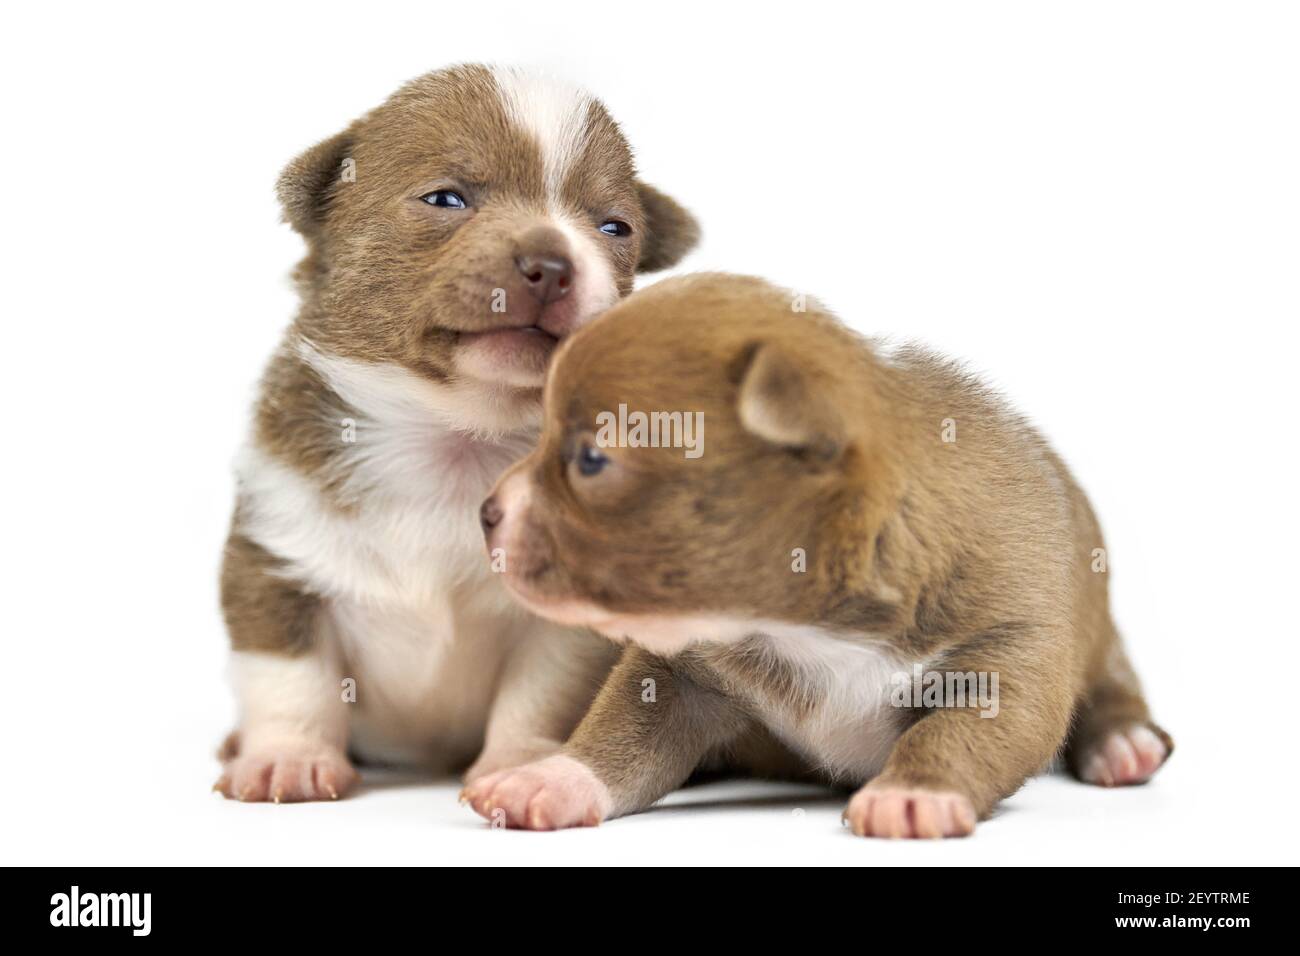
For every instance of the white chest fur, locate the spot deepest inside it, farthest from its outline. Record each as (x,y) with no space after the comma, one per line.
(849,725)
(419,620)
(413,474)
(839,715)
(408,541)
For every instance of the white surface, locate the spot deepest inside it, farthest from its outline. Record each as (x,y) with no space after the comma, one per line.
(402,819)
(1096,204)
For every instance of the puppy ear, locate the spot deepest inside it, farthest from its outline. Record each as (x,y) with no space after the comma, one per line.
(783,402)
(670,231)
(308,183)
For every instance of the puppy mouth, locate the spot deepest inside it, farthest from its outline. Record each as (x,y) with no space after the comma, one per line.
(516,355)
(526,338)
(570,612)
(524,580)
(516,350)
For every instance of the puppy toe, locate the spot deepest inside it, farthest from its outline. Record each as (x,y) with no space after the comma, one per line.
(550,794)
(907,813)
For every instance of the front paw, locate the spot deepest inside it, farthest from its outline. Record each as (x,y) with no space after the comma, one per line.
(551,794)
(493,759)
(287,773)
(905,812)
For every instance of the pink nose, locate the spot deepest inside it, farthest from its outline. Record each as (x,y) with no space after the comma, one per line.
(547,277)
(490,515)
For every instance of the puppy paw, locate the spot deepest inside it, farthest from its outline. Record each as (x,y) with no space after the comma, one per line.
(493,759)
(1124,757)
(902,812)
(550,794)
(287,774)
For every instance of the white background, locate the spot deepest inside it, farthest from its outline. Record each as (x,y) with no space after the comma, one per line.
(1097,204)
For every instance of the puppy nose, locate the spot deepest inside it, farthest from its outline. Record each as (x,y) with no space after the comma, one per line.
(489,516)
(547,277)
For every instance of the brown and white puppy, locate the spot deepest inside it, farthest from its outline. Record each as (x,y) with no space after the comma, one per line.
(847,518)
(455,234)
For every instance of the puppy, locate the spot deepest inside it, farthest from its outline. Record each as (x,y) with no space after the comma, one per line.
(842,527)
(455,234)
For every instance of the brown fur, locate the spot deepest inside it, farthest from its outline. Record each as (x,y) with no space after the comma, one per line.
(973,554)
(408,289)
(389,279)
(262,610)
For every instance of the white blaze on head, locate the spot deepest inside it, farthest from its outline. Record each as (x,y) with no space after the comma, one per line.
(554,112)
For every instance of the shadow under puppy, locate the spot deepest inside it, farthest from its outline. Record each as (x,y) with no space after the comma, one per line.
(455,234)
(846,519)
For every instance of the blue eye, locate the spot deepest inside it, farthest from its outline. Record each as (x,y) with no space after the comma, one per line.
(615,227)
(445,199)
(591,461)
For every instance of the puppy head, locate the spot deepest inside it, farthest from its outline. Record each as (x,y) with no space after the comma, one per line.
(469,223)
(766,509)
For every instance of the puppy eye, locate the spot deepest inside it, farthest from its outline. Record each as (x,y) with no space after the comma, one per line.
(615,227)
(445,199)
(591,461)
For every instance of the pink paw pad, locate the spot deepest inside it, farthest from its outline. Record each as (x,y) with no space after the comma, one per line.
(905,813)
(1125,757)
(550,794)
(287,776)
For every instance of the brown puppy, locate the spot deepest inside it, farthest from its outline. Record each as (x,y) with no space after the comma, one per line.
(455,234)
(841,529)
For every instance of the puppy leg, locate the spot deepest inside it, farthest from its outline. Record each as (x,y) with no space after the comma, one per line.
(953,765)
(546,686)
(293,723)
(648,729)
(293,727)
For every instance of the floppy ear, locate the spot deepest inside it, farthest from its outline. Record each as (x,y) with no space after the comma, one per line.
(308,183)
(785,403)
(670,231)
